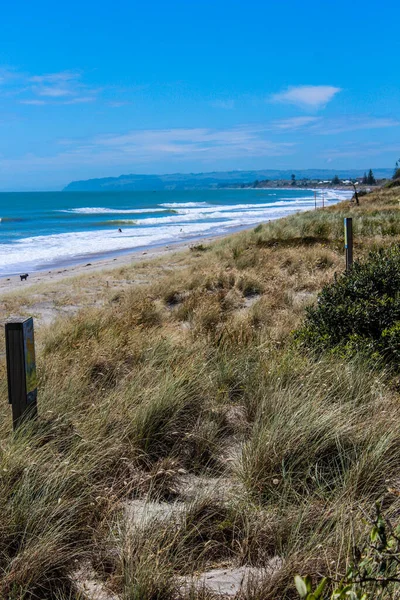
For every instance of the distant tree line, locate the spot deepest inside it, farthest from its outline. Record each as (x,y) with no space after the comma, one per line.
(369,179)
(396,173)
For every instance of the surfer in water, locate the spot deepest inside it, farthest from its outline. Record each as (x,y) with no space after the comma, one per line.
(119,230)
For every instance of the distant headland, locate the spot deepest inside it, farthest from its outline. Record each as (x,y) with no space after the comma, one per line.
(225,179)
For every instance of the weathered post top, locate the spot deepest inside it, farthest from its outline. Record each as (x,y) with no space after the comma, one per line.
(21,369)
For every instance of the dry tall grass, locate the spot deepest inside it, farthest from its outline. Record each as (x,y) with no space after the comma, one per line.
(192,379)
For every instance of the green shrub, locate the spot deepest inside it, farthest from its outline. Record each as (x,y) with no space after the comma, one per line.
(359,311)
(392,184)
(373,573)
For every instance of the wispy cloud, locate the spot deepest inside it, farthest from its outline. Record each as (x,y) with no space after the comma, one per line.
(172,147)
(117,104)
(308,96)
(188,143)
(332,126)
(6,75)
(56,85)
(224,104)
(294,123)
(34,102)
(355,123)
(81,99)
(356,150)
(64,87)
(55,78)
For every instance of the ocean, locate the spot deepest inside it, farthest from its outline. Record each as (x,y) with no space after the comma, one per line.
(44,230)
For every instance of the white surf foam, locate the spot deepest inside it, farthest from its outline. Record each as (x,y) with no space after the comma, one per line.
(40,251)
(191,220)
(333,194)
(99,210)
(37,252)
(338,194)
(250,216)
(183,204)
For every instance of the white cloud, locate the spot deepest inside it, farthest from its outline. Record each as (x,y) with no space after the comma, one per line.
(75,100)
(295,123)
(80,100)
(56,85)
(332,126)
(62,76)
(309,96)
(33,102)
(64,87)
(52,91)
(344,124)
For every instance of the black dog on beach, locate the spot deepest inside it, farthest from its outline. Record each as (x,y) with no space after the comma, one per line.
(25,276)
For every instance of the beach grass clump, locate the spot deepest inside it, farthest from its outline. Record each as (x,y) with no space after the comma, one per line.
(49,515)
(250,286)
(314,434)
(154,558)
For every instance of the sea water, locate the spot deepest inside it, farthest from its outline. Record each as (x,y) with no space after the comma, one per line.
(52,229)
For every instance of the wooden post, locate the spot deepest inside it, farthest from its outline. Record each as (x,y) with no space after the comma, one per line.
(356,194)
(21,370)
(348,241)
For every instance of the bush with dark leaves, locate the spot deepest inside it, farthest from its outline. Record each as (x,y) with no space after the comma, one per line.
(359,312)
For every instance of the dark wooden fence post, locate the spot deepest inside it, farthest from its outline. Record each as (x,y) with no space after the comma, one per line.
(348,241)
(21,370)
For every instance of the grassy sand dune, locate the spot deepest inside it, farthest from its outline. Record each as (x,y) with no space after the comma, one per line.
(177,385)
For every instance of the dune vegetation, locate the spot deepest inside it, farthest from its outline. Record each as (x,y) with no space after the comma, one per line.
(183,428)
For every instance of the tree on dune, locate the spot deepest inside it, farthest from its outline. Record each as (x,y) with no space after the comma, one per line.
(370,178)
(396,174)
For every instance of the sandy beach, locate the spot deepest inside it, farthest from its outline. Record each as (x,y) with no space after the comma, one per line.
(63,291)
(14,283)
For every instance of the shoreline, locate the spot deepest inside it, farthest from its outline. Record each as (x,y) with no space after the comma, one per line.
(89,255)
(90,263)
(115,258)
(12,283)
(62,291)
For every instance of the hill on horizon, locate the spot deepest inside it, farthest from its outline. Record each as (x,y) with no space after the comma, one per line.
(210,180)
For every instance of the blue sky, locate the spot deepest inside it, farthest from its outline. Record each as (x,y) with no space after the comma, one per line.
(93,89)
